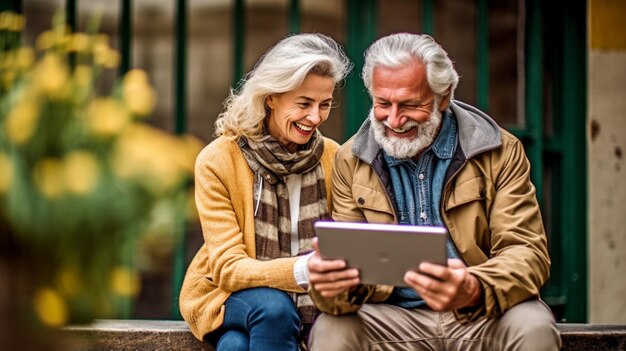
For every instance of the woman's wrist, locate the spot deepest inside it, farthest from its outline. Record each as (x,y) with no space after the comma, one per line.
(301,271)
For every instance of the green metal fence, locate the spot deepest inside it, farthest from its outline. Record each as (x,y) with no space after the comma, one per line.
(554,108)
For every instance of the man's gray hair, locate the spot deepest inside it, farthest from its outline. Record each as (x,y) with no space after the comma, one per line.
(281,69)
(398,50)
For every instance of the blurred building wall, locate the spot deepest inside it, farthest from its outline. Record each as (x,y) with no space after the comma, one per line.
(606,168)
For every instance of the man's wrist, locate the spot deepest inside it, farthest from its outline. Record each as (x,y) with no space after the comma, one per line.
(476,290)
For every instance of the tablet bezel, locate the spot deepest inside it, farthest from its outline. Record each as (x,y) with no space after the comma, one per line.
(382,252)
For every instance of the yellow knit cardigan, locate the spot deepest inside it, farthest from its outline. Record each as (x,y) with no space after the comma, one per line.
(226,261)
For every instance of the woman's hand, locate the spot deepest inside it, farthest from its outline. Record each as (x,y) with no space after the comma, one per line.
(330,277)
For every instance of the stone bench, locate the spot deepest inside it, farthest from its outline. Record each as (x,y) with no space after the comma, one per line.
(140,335)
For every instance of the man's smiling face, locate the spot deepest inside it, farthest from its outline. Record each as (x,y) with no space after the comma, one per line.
(406,115)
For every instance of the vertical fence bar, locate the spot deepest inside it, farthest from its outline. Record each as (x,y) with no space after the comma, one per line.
(180,105)
(12,39)
(361,31)
(180,68)
(371,27)
(71,19)
(353,48)
(239,21)
(126,34)
(125,38)
(11,5)
(535,145)
(573,109)
(482,59)
(70,14)
(534,94)
(428,17)
(552,292)
(294,16)
(544,163)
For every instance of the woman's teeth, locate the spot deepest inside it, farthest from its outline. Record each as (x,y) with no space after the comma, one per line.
(303,127)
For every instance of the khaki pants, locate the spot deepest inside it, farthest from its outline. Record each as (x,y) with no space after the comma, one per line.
(527,326)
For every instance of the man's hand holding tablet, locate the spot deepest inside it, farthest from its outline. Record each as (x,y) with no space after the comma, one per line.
(348,254)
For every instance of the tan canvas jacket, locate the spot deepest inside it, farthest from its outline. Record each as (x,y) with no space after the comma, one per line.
(488,205)
(226,261)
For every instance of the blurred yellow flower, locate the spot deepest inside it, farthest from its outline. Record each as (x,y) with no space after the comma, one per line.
(79,42)
(6,172)
(50,307)
(52,76)
(11,21)
(8,78)
(137,93)
(5,19)
(148,154)
(72,145)
(125,282)
(81,172)
(83,83)
(62,34)
(21,122)
(24,58)
(106,117)
(20,59)
(45,40)
(101,38)
(48,176)
(18,23)
(68,280)
(103,55)
(83,75)
(188,150)
(112,59)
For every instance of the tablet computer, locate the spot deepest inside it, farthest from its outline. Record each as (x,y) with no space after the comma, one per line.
(382,252)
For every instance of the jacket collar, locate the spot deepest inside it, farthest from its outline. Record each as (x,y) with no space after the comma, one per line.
(477,133)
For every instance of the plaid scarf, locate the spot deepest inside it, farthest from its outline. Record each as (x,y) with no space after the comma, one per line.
(271,162)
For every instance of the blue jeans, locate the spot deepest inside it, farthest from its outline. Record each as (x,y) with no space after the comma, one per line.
(258,319)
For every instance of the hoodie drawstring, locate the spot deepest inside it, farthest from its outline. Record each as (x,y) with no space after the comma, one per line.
(257,193)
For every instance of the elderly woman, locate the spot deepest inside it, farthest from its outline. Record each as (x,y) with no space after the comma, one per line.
(260,186)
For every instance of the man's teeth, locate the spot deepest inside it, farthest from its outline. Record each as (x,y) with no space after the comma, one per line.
(400,131)
(303,127)
(405,128)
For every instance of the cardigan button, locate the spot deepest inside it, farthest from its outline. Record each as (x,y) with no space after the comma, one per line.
(361,201)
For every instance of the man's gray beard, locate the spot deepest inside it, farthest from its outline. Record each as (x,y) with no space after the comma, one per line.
(405,147)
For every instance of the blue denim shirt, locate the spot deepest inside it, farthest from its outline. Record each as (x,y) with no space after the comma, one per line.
(418,186)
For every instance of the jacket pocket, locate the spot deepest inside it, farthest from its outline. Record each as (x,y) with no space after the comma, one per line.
(368,199)
(470,190)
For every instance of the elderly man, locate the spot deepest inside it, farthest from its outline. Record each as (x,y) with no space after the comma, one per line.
(422,158)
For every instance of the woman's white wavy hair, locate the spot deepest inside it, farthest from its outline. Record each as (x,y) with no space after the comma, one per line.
(281,69)
(397,50)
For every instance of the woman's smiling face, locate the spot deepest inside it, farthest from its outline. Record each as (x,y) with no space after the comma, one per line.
(295,115)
